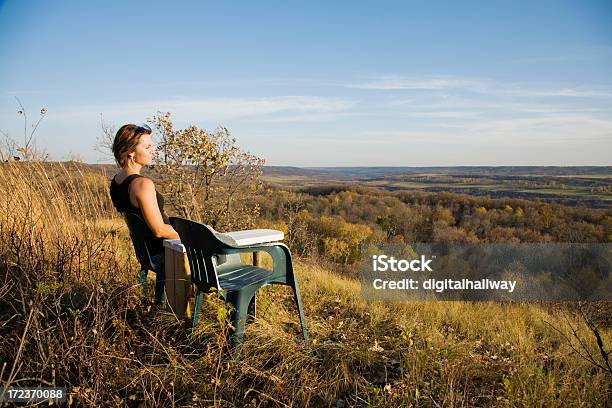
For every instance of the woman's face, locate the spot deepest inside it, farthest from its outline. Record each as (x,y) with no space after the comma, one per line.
(143,154)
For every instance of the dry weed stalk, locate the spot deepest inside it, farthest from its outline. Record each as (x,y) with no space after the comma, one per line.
(598,356)
(28,151)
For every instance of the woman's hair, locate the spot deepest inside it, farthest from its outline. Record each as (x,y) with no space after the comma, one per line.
(125,142)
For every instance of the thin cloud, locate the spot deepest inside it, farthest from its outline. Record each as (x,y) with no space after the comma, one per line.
(445,114)
(483,86)
(25,92)
(398,137)
(472,106)
(568,92)
(392,82)
(578,54)
(305,117)
(214,108)
(552,129)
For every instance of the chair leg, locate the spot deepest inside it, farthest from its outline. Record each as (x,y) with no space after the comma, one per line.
(197,309)
(240,300)
(252,313)
(142,280)
(298,302)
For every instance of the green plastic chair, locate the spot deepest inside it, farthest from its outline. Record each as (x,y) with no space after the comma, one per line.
(237,283)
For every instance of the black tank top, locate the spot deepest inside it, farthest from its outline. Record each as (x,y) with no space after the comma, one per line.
(121,200)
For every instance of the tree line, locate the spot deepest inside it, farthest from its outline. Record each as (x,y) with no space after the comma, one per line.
(332,221)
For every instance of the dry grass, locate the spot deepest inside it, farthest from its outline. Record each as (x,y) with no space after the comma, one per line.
(71,315)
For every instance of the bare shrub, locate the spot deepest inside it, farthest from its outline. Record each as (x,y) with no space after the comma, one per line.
(104,140)
(206,176)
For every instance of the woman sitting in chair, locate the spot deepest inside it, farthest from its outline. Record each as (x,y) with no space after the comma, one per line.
(135,194)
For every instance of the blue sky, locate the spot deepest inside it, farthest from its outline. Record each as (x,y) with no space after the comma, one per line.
(325,83)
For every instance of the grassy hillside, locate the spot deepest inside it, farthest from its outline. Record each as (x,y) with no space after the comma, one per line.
(71,315)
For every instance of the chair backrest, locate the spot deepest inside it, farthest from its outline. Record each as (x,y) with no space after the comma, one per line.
(201,245)
(140,232)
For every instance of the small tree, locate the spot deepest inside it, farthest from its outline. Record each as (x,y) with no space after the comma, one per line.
(206,176)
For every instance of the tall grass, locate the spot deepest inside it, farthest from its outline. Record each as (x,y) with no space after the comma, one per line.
(71,315)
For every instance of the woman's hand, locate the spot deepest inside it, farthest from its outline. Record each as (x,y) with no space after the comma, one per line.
(143,195)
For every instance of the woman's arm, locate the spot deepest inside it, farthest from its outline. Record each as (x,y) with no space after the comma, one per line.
(143,192)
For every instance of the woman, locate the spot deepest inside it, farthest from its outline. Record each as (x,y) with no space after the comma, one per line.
(133,193)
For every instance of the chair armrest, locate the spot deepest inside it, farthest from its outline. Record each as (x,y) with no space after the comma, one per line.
(249,237)
(281,256)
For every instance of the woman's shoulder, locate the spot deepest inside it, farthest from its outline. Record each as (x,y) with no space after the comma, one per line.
(141,183)
(120,178)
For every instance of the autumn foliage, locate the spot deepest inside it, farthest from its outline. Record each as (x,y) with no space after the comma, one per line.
(205,176)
